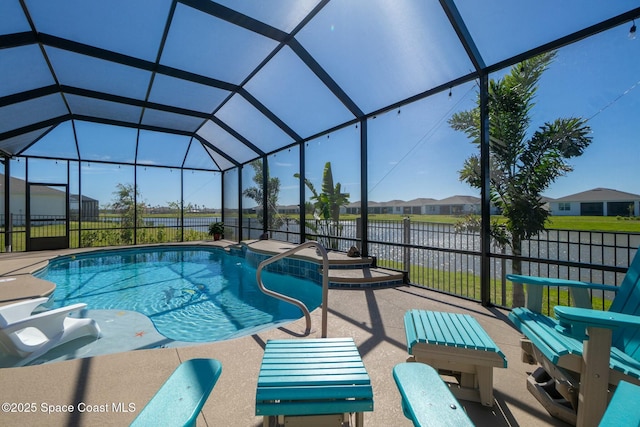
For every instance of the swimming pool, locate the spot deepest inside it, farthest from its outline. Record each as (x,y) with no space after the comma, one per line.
(191,294)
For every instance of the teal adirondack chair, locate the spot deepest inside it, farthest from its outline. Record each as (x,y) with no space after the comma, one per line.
(586,352)
(180,399)
(623,410)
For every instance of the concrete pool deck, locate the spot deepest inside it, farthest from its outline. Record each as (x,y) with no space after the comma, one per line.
(117,386)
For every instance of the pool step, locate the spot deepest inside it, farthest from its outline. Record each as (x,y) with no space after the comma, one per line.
(344,271)
(364,277)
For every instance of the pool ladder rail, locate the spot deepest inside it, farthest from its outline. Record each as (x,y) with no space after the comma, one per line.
(320,250)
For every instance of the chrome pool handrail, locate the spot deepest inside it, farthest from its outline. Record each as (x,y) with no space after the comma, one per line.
(325,283)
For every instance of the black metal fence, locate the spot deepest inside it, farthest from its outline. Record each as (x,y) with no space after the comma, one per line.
(107,230)
(437,256)
(434,255)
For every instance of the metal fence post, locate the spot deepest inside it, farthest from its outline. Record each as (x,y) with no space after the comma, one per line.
(9,237)
(503,277)
(407,241)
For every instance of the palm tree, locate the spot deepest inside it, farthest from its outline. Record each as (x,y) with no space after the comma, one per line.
(522,164)
(326,206)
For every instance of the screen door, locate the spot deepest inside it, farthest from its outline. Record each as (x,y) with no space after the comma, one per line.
(47,217)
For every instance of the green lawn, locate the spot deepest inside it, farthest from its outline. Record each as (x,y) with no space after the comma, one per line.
(578,223)
(168,215)
(468,285)
(97,234)
(581,223)
(595,223)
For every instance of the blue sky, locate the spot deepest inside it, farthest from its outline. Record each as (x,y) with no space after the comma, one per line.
(412,151)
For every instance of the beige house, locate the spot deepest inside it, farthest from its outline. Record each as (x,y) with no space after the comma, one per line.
(45,201)
(454,205)
(597,202)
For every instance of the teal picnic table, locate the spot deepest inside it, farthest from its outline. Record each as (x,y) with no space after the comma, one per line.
(313,382)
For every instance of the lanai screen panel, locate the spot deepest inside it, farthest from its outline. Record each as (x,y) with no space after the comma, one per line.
(205,45)
(107,77)
(171,121)
(199,158)
(89,107)
(264,75)
(161,149)
(132,28)
(60,139)
(389,50)
(226,142)
(19,142)
(222,163)
(106,143)
(13,20)
(18,62)
(252,124)
(36,110)
(282,14)
(296,95)
(181,93)
(522,26)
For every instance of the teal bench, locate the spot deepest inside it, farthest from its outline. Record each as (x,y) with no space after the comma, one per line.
(306,381)
(181,397)
(426,399)
(623,410)
(455,343)
(584,352)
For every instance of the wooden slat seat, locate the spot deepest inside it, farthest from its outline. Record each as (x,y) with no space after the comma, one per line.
(565,350)
(587,352)
(426,399)
(181,397)
(455,343)
(312,377)
(623,410)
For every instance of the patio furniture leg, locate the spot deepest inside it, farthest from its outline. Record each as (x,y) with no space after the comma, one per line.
(485,385)
(359,419)
(593,399)
(467,380)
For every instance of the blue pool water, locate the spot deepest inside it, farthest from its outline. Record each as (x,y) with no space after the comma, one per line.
(191,294)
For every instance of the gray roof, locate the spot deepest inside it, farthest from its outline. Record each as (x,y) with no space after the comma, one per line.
(599,195)
(421,201)
(424,201)
(457,200)
(18,186)
(76,197)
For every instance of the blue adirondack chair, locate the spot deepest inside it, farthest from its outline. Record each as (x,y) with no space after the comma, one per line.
(585,353)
